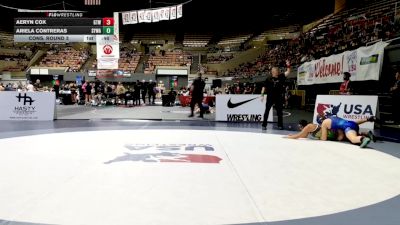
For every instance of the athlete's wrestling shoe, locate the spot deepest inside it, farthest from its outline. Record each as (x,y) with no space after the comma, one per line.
(364,142)
(371,136)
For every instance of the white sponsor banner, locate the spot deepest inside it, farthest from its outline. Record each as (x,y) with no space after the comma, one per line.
(148,14)
(364,63)
(107,64)
(172,14)
(349,107)
(141,16)
(27,105)
(107,46)
(241,108)
(92,73)
(179,12)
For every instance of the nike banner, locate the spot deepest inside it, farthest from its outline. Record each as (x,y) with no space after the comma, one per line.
(240,108)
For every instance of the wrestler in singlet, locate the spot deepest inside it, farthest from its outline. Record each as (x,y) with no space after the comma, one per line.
(316,134)
(342,124)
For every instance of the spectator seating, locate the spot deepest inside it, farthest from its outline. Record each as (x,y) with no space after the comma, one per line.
(6,38)
(278,33)
(169,58)
(219,58)
(196,40)
(153,38)
(14,60)
(65,57)
(234,40)
(346,30)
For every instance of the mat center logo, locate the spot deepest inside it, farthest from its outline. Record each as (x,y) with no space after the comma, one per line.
(168,153)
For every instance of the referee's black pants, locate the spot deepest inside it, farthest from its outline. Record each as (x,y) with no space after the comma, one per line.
(278,103)
(199,101)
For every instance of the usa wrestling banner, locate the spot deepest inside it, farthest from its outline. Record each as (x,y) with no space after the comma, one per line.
(349,107)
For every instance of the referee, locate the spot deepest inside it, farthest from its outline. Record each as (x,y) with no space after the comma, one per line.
(274,87)
(197,90)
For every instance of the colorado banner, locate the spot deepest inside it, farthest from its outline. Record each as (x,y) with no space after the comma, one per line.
(349,107)
(364,63)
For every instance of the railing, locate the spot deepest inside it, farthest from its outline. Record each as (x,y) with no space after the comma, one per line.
(373,42)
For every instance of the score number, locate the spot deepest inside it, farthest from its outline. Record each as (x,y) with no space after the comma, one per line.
(108,21)
(108,25)
(108,30)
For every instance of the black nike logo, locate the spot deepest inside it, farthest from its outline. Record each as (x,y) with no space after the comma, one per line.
(234,105)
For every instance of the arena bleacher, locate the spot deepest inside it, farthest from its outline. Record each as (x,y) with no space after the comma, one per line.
(196,40)
(14,60)
(65,57)
(167,58)
(346,30)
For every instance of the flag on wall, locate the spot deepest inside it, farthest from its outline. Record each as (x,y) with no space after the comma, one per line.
(92,2)
(148,14)
(141,16)
(151,15)
(179,11)
(129,17)
(161,13)
(156,17)
(172,15)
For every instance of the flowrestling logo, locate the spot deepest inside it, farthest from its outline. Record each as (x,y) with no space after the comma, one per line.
(168,153)
(26,108)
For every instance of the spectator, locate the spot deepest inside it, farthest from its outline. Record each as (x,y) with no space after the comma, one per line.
(30,87)
(197,90)
(345,87)
(395,91)
(120,91)
(38,86)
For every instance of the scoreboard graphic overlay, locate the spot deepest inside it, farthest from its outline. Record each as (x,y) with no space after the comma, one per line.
(43,29)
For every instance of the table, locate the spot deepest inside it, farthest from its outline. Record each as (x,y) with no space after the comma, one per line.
(185,100)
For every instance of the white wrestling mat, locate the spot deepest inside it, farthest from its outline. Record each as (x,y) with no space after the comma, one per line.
(186,177)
